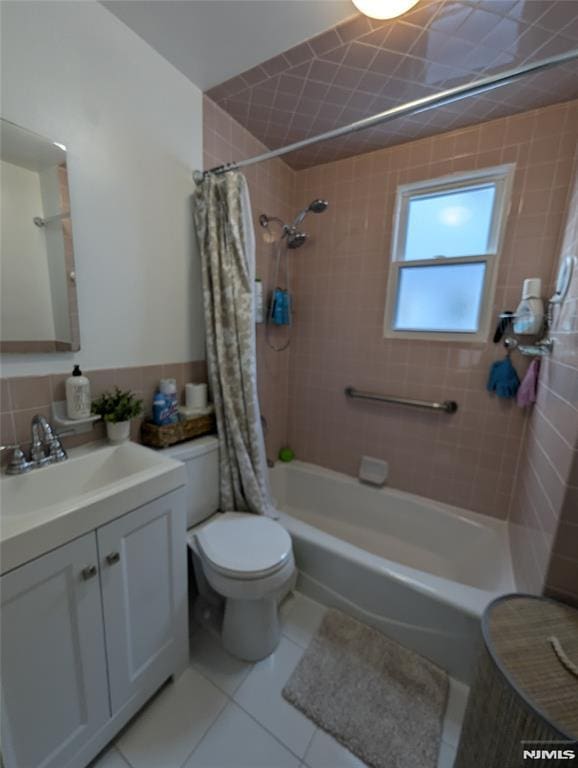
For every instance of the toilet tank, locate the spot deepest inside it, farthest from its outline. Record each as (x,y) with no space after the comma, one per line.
(201,459)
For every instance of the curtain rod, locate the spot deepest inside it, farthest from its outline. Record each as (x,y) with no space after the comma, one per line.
(409,108)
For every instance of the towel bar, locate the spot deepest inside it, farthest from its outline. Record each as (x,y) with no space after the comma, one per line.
(448,406)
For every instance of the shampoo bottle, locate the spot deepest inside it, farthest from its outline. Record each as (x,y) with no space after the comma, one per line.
(77,395)
(168,387)
(160,409)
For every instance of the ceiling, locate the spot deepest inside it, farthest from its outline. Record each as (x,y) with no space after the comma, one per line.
(210,41)
(360,67)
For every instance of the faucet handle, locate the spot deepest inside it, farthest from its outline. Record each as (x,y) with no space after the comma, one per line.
(18,464)
(57,452)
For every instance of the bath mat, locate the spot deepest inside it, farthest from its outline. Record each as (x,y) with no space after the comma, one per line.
(380,700)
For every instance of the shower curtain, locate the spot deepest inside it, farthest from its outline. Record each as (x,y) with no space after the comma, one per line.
(222,213)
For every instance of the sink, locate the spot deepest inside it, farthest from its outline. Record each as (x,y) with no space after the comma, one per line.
(47,507)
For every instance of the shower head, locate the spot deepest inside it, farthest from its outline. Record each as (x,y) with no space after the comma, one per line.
(315,206)
(318,206)
(296,239)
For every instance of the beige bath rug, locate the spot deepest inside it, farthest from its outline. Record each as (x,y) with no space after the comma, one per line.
(380,700)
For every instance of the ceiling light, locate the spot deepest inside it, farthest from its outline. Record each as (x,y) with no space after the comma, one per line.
(384,9)
(59,145)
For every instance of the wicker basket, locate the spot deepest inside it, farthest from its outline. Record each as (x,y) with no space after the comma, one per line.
(523,695)
(163,437)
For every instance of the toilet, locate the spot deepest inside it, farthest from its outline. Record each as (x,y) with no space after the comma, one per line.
(243,563)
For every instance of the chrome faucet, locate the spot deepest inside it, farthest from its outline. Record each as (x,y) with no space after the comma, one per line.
(18,464)
(45,448)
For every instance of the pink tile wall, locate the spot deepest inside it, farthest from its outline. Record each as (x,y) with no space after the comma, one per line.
(469,459)
(21,398)
(544,521)
(272,186)
(339,280)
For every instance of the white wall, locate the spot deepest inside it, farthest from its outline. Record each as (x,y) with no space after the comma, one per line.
(25,297)
(132,125)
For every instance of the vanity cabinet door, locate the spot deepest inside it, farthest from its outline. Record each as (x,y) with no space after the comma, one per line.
(144,591)
(54,681)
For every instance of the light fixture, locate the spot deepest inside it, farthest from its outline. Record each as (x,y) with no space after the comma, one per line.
(384,9)
(59,145)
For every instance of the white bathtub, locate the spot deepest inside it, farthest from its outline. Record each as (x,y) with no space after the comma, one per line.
(419,570)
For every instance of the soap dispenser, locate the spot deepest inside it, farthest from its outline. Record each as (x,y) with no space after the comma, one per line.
(529,317)
(77,395)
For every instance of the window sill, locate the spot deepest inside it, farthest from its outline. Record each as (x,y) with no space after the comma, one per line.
(479,338)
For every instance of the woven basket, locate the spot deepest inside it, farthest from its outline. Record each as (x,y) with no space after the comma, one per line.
(523,694)
(170,434)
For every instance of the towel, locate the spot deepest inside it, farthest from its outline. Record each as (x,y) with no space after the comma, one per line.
(503,379)
(529,387)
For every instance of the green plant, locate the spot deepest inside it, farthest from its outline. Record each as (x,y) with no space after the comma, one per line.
(117,406)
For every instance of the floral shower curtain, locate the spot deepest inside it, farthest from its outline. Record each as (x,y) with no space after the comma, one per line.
(222,213)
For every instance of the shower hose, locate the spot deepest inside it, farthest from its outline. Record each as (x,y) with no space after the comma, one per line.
(269,322)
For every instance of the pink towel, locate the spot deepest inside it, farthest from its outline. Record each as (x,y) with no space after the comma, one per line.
(529,387)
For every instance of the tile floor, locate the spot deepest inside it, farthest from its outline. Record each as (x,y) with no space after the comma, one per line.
(225,713)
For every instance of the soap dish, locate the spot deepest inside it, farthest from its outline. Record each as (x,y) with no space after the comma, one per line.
(61,420)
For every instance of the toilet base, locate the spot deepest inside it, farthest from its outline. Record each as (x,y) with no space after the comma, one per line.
(251,628)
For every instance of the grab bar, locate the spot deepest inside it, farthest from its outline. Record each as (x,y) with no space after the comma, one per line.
(448,406)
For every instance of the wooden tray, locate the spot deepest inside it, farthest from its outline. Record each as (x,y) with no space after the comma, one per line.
(170,434)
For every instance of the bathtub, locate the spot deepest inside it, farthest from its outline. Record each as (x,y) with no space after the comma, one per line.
(420,571)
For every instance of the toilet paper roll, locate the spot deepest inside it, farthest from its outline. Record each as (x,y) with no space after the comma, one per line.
(196,395)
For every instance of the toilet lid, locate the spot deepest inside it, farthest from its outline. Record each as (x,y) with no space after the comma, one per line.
(243,545)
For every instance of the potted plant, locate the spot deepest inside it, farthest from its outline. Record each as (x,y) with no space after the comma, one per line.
(117,409)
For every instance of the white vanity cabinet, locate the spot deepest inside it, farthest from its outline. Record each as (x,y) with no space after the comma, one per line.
(89,632)
(54,680)
(144,592)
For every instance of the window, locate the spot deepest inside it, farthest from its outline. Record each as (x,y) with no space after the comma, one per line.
(446,244)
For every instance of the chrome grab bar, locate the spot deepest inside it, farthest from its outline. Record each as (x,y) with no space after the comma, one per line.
(448,406)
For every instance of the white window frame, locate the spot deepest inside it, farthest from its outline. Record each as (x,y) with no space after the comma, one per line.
(502,176)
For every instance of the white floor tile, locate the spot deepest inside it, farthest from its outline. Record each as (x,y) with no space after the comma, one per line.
(301,618)
(235,740)
(325,752)
(457,700)
(260,695)
(170,728)
(447,755)
(210,658)
(110,759)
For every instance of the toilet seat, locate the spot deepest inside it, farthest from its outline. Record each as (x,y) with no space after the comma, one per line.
(244,546)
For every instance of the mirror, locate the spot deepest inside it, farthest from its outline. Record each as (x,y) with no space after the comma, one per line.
(38,303)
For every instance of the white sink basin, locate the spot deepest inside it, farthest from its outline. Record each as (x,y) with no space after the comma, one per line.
(47,507)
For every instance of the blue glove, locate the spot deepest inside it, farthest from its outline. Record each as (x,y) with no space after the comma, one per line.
(503,379)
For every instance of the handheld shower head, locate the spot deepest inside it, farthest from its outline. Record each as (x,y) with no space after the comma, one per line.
(295,238)
(315,206)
